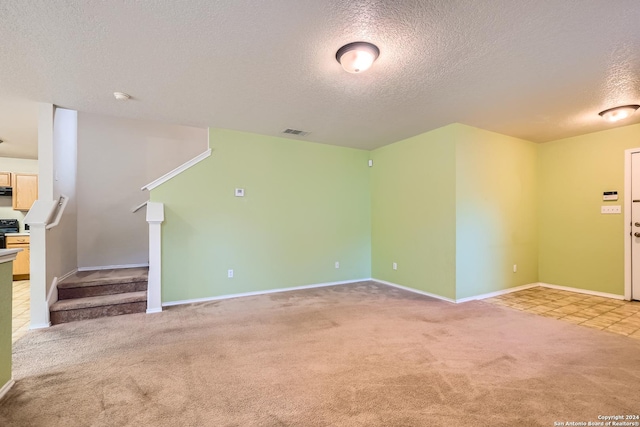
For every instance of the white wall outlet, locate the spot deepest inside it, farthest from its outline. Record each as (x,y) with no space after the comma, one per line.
(230,274)
(515,268)
(337,264)
(611,209)
(239,192)
(395,265)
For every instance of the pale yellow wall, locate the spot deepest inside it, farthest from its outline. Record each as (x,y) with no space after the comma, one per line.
(580,247)
(496,215)
(414,212)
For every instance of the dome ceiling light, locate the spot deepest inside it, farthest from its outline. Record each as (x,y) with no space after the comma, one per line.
(618,113)
(357,57)
(121,96)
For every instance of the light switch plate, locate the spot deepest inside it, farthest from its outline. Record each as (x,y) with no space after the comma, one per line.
(611,209)
(239,192)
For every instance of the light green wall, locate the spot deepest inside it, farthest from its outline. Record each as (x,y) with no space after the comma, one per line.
(579,247)
(456,208)
(413,212)
(496,215)
(6,271)
(306,206)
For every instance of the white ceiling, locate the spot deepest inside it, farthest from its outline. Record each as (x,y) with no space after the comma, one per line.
(538,70)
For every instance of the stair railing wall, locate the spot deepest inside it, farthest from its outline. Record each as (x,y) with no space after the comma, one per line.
(43,216)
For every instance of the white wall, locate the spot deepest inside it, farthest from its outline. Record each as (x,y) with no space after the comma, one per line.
(116,158)
(62,255)
(15,165)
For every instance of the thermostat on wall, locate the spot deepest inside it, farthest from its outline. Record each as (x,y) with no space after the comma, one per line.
(610,195)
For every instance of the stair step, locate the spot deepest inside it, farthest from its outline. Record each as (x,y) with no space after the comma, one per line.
(98,306)
(122,275)
(103,282)
(94,289)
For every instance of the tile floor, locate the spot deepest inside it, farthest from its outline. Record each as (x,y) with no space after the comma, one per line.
(21,298)
(620,317)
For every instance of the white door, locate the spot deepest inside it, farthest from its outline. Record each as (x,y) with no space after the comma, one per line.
(635,226)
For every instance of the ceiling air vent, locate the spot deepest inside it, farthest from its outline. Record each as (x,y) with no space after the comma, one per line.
(295,132)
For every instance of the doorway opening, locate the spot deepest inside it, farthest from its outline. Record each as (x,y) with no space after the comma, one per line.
(632,224)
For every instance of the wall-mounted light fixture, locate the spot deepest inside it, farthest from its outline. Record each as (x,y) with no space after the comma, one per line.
(358,56)
(618,113)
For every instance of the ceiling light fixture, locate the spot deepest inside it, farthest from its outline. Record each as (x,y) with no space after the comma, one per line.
(618,113)
(121,96)
(357,57)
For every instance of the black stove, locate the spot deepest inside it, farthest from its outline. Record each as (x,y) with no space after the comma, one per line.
(7,226)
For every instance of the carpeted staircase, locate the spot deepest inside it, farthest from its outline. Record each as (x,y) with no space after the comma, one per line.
(101,293)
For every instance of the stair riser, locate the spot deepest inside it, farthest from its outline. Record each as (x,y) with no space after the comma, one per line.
(94,291)
(58,317)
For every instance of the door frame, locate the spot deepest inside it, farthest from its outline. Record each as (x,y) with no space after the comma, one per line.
(627,222)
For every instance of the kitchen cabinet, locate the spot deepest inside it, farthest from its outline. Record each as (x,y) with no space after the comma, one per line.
(21,265)
(25,191)
(5,179)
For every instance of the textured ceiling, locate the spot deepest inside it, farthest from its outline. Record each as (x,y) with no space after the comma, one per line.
(538,70)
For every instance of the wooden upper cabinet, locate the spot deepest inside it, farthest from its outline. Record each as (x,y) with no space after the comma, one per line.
(25,191)
(5,179)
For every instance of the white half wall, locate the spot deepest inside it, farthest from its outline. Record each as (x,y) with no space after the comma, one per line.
(62,255)
(116,158)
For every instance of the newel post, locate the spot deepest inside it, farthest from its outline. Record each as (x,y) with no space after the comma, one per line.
(38,218)
(155,218)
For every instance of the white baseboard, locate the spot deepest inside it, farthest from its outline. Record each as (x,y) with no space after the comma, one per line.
(40,326)
(69,274)
(5,388)
(52,297)
(113,267)
(581,291)
(461,300)
(498,293)
(154,310)
(415,291)
(270,291)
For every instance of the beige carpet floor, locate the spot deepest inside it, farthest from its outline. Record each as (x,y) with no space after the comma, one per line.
(356,355)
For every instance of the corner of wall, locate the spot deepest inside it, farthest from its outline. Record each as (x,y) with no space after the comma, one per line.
(496,182)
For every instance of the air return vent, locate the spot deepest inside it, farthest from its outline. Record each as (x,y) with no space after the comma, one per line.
(295,132)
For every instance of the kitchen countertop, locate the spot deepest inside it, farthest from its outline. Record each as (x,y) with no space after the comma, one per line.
(7,255)
(17,234)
